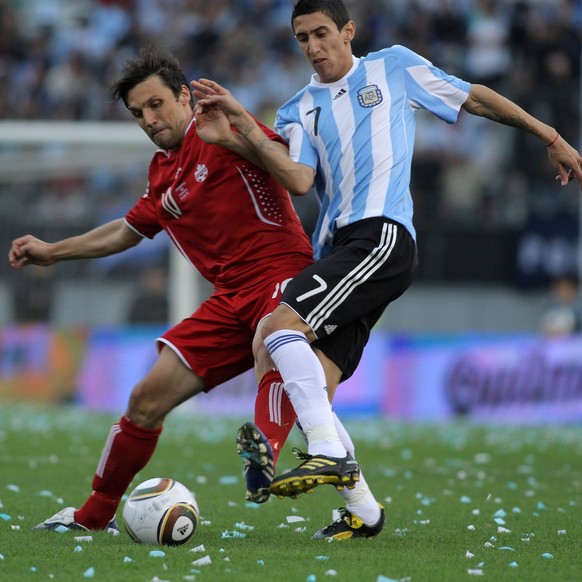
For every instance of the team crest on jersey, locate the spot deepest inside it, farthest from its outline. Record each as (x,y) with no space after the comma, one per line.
(370,96)
(201,172)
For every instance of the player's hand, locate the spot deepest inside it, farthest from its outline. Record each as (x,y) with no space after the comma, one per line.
(29,250)
(212,124)
(567,161)
(211,93)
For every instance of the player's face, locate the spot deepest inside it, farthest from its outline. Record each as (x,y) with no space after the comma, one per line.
(326,48)
(157,111)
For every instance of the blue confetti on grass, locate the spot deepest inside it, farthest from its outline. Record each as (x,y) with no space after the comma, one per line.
(5,516)
(89,573)
(547,555)
(157,554)
(227,535)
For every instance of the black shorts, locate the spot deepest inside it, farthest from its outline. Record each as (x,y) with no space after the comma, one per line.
(342,296)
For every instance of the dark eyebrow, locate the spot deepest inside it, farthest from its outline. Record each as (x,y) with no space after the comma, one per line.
(315,30)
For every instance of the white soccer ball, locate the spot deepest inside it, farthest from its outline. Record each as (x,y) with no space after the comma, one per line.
(161,512)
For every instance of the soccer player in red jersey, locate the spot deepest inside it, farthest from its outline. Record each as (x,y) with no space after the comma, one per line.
(236,225)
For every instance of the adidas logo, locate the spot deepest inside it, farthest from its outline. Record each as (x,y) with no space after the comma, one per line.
(329,329)
(184,529)
(342,92)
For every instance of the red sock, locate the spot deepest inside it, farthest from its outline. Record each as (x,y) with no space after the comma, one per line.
(128,449)
(274,413)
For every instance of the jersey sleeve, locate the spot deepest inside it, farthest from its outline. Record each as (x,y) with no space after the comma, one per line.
(142,218)
(288,125)
(430,88)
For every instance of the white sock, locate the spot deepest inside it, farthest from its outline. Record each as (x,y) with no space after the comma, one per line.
(360,499)
(305,384)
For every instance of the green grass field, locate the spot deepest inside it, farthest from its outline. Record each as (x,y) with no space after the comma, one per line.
(461,500)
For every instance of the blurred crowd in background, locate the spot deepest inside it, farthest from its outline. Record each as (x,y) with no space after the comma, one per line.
(59,58)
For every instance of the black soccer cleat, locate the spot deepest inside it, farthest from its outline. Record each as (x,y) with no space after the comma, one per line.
(317,470)
(257,455)
(349,526)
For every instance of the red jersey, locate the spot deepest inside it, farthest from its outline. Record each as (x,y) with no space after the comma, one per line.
(230,219)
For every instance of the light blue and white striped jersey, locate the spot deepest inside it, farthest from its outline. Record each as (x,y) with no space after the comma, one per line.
(358,135)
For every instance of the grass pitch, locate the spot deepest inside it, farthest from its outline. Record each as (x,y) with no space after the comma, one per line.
(499,502)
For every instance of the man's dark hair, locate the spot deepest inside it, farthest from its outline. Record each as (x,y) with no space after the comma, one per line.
(152,60)
(335,9)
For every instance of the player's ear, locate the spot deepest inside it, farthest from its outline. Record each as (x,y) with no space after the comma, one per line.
(185,95)
(349,31)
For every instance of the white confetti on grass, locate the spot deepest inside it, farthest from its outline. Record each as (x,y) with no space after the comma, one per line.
(205,561)
(295,518)
(199,548)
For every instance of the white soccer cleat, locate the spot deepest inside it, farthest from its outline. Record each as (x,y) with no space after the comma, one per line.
(64,520)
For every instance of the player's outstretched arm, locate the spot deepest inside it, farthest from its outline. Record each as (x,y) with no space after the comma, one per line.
(485,102)
(108,239)
(297,178)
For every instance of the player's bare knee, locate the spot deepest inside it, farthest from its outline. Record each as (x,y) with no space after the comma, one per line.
(263,360)
(282,318)
(144,407)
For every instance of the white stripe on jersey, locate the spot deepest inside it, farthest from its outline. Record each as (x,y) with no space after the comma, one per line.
(113,432)
(437,86)
(355,277)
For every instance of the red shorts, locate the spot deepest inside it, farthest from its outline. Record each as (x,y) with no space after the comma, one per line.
(216,341)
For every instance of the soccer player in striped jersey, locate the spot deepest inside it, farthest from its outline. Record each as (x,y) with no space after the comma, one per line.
(351,136)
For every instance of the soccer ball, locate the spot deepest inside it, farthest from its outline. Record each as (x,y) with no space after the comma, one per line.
(161,512)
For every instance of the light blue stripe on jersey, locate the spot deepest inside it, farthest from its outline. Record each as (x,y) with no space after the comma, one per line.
(358,135)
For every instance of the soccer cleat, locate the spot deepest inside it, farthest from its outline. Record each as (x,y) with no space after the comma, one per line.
(257,455)
(317,470)
(64,520)
(349,526)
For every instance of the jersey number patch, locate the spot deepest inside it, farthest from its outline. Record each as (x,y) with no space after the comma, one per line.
(317,111)
(322,287)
